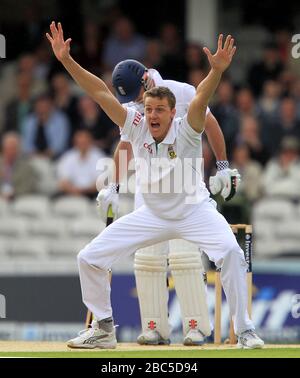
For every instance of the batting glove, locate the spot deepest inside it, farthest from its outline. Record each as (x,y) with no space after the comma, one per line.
(106,197)
(225,181)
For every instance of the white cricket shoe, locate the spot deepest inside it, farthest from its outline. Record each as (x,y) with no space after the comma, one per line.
(193,337)
(249,340)
(152,337)
(95,337)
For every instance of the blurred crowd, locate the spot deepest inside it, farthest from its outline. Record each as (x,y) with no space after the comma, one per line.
(52,134)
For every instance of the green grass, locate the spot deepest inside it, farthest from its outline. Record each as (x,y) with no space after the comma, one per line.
(232,353)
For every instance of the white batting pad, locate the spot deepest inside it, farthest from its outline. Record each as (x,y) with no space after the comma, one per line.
(187,272)
(151,282)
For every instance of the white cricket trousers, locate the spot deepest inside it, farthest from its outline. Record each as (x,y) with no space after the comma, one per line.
(205,227)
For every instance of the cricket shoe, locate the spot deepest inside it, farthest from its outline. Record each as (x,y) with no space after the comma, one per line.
(97,336)
(193,337)
(152,337)
(249,340)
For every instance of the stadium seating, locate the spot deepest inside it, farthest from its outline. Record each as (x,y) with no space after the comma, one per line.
(276,228)
(71,207)
(42,235)
(34,206)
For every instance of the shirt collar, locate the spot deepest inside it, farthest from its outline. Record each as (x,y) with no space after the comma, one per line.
(169,138)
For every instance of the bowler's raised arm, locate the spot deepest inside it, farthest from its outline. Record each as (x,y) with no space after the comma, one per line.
(219,62)
(91,84)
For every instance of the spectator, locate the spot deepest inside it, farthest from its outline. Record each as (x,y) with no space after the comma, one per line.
(64,100)
(269,68)
(250,170)
(124,43)
(250,135)
(270,100)
(245,103)
(283,39)
(195,57)
(296,95)
(92,45)
(25,64)
(32,26)
(170,39)
(286,124)
(76,169)
(46,130)
(282,174)
(226,113)
(92,118)
(45,169)
(17,176)
(289,122)
(238,209)
(172,66)
(153,56)
(19,107)
(287,79)
(195,76)
(43,59)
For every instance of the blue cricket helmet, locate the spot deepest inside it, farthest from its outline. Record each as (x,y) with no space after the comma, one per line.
(127,79)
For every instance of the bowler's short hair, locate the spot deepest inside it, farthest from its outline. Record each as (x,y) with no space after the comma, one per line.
(161,92)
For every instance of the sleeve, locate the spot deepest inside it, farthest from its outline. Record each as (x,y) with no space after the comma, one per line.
(124,138)
(133,125)
(137,107)
(188,133)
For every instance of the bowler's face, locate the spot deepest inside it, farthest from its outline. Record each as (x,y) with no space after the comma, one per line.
(159,117)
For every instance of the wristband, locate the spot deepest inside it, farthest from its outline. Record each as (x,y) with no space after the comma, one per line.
(222,164)
(114,188)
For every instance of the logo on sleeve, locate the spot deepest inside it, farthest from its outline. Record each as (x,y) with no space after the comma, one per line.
(137,119)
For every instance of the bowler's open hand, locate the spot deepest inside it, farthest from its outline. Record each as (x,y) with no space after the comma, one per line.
(60,47)
(223,56)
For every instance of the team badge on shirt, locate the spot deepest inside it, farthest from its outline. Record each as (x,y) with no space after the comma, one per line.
(171,152)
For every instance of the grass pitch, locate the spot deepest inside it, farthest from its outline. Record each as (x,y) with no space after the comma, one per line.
(59,350)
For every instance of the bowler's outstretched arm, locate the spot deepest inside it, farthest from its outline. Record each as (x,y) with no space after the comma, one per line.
(218,63)
(91,84)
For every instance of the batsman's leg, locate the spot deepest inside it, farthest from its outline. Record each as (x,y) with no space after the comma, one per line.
(187,271)
(150,268)
(209,229)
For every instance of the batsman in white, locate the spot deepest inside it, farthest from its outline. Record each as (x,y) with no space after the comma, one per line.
(164,216)
(131,79)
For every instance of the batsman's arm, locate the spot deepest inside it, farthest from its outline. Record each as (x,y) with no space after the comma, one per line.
(91,84)
(215,137)
(122,146)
